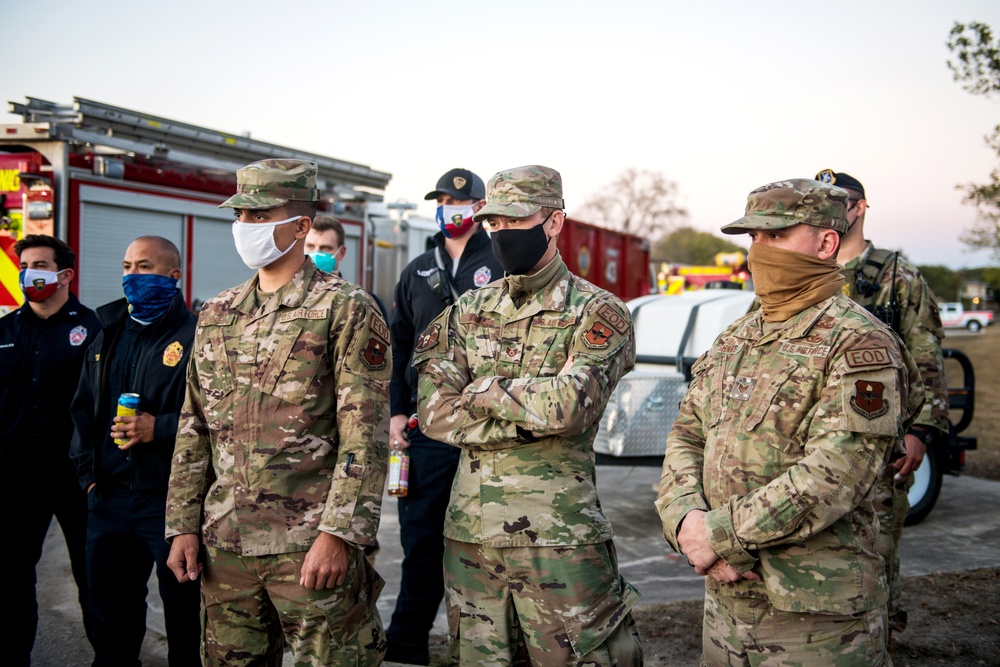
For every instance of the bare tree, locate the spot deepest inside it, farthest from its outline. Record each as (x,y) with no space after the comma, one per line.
(638,201)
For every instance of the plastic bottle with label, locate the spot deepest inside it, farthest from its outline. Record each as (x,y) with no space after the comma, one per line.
(399,465)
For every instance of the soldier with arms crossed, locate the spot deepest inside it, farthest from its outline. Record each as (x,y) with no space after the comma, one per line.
(517,375)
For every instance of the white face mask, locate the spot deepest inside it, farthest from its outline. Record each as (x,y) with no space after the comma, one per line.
(255,242)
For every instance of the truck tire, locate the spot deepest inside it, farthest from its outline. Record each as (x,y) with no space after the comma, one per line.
(974,326)
(925,490)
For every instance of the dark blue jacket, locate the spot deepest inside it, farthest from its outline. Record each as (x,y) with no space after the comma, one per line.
(417,305)
(160,380)
(40,363)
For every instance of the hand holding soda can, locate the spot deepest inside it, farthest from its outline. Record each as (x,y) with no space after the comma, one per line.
(128,406)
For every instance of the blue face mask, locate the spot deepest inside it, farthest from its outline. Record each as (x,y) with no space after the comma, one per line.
(324,261)
(148,294)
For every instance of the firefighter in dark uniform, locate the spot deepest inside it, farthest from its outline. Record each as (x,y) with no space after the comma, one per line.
(42,345)
(143,349)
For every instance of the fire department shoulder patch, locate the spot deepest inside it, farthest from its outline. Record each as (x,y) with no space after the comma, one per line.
(172,354)
(482,276)
(374,354)
(77,335)
(868,400)
(598,336)
(428,338)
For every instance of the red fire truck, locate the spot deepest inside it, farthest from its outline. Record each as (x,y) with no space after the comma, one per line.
(98,176)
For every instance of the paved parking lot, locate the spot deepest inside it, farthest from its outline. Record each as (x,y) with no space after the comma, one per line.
(963,532)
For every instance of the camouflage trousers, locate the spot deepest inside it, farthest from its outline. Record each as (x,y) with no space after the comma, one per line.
(540,605)
(254,607)
(749,632)
(891,506)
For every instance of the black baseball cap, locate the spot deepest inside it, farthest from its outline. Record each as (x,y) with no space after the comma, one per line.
(841,180)
(460,184)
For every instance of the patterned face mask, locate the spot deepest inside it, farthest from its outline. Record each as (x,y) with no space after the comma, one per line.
(149,295)
(39,285)
(454,221)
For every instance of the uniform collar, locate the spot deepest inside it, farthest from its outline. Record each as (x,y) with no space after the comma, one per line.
(860,259)
(290,295)
(69,310)
(797,326)
(551,296)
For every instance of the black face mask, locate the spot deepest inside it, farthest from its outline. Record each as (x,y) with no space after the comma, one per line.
(519,250)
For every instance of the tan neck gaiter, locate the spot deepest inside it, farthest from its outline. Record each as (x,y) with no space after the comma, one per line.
(788,282)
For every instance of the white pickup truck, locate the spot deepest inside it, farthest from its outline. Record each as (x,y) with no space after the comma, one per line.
(954,316)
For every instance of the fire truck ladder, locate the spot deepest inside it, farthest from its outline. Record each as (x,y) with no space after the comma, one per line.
(98,124)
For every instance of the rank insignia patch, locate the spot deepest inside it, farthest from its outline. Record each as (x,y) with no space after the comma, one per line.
(172,354)
(742,388)
(868,400)
(374,354)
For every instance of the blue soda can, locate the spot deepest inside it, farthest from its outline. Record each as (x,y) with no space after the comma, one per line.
(128,405)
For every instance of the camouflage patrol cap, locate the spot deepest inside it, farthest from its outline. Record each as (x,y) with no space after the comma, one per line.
(521,192)
(271,183)
(792,202)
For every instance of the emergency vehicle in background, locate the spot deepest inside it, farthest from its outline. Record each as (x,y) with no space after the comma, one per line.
(729,272)
(98,176)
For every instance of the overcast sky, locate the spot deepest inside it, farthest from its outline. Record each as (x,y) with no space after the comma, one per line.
(719,96)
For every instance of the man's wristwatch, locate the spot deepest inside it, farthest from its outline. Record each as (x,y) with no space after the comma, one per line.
(925,435)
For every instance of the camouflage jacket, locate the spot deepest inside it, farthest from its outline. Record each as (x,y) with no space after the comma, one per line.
(493,381)
(781,438)
(285,424)
(919,324)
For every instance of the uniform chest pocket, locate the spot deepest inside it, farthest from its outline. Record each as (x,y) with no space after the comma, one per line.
(778,406)
(549,343)
(294,354)
(718,370)
(483,346)
(213,365)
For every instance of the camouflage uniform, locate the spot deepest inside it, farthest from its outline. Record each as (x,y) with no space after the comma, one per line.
(529,557)
(282,435)
(780,439)
(921,331)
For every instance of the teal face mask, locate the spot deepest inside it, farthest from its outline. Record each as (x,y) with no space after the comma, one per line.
(324,261)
